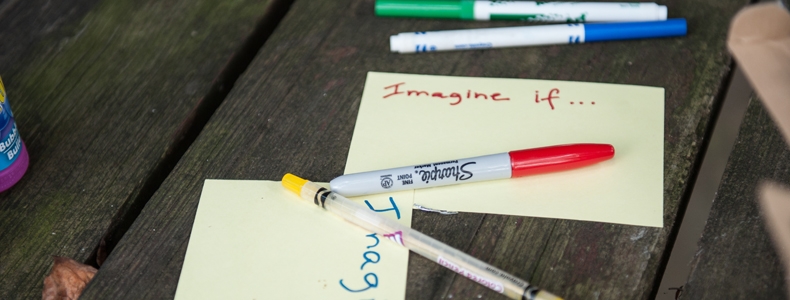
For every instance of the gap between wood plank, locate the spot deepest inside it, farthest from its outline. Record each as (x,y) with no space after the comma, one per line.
(692,217)
(190,129)
(674,269)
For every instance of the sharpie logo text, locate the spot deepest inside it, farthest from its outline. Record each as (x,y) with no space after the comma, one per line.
(437,173)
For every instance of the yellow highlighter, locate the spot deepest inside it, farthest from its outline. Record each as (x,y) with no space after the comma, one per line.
(455,260)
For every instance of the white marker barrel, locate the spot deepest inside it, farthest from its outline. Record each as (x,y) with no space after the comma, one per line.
(412,42)
(488,167)
(568,11)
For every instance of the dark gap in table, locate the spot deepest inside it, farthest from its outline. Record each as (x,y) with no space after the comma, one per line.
(191,128)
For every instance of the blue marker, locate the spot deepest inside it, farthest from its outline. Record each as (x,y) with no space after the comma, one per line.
(411,42)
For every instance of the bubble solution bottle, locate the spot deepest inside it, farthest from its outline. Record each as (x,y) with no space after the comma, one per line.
(13,155)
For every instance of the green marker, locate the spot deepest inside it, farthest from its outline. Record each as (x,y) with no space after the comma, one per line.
(484,10)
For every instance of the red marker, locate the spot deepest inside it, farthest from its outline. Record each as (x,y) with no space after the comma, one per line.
(489,167)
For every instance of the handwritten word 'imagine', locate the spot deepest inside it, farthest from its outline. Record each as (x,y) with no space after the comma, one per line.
(457,97)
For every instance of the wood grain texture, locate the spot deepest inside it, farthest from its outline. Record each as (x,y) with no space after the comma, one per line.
(294,111)
(736,258)
(101,92)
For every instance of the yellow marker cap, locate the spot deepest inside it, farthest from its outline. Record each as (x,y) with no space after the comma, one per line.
(293,183)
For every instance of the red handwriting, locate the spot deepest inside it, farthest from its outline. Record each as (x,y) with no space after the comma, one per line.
(456,98)
(550,98)
(394,92)
(554,94)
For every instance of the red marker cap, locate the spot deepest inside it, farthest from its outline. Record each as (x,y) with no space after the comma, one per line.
(557,158)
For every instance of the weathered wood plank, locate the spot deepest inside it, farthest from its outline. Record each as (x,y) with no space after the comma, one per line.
(103,92)
(294,111)
(736,258)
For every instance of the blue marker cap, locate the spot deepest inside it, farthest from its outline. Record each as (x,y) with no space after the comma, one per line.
(634,30)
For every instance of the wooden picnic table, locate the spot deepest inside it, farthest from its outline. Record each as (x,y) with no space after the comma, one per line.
(736,258)
(107,96)
(111,98)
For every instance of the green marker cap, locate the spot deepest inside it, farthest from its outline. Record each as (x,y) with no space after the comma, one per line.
(450,9)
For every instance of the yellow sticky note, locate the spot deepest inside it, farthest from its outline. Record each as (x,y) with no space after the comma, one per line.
(407,119)
(256,240)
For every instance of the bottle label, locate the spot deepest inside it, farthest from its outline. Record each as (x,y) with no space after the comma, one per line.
(10,143)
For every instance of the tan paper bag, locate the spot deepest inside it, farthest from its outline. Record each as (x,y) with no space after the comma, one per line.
(760,41)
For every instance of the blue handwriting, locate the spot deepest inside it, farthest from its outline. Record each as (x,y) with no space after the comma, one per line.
(370,256)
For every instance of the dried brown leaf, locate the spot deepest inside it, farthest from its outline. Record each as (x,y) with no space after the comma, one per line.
(67,279)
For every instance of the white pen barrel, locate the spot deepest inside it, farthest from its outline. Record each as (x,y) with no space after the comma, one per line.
(568,11)
(412,42)
(467,266)
(451,258)
(488,167)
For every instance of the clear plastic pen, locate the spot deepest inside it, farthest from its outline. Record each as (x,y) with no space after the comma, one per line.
(455,260)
